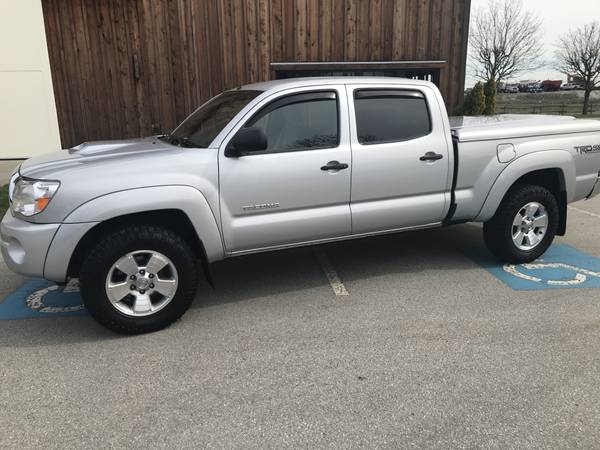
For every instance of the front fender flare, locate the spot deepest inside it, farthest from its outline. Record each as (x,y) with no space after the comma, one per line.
(531,162)
(185,198)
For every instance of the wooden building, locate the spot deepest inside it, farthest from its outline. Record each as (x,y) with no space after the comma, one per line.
(126,68)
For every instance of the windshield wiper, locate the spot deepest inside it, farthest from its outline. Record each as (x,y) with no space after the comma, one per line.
(168,138)
(187,142)
(181,142)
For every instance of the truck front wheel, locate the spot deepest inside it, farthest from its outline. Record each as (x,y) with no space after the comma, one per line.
(524,225)
(138,279)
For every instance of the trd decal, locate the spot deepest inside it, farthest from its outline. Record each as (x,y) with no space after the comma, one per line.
(585,149)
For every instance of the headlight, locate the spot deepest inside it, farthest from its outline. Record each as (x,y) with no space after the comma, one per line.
(31,197)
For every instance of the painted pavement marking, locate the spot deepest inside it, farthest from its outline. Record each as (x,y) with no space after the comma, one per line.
(583,211)
(334,280)
(561,267)
(42,298)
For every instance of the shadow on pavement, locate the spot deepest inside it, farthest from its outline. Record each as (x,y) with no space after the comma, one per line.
(254,276)
(282,273)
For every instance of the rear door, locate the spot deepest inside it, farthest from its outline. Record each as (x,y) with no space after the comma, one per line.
(298,190)
(400,158)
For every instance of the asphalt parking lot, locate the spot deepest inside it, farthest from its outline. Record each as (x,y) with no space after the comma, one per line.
(431,347)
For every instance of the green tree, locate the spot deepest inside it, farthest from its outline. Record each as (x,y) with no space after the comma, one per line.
(474,104)
(478,99)
(490,90)
(467,105)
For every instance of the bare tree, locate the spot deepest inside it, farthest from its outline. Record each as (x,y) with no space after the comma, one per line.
(505,40)
(578,55)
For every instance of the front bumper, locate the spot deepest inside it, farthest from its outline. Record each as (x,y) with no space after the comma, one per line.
(25,245)
(40,250)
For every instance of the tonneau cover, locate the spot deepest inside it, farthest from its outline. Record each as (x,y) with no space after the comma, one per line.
(468,129)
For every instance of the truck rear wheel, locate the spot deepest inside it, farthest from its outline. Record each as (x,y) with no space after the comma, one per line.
(139,279)
(524,225)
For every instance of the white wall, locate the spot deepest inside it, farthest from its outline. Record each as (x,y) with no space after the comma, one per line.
(28,122)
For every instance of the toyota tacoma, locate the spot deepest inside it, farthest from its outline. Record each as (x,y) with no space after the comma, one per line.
(282,164)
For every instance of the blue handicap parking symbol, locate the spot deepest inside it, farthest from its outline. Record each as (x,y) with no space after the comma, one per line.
(561,267)
(42,298)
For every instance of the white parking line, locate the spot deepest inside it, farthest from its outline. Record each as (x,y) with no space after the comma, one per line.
(334,280)
(583,211)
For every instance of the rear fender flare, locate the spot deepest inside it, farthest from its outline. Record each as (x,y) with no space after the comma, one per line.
(531,162)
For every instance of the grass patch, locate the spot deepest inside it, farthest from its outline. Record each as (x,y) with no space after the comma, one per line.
(3,200)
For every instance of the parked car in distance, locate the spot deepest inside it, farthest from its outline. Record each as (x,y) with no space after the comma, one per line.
(570,87)
(283,164)
(527,85)
(534,88)
(508,88)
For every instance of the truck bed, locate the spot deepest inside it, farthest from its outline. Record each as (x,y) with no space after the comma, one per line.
(469,129)
(478,140)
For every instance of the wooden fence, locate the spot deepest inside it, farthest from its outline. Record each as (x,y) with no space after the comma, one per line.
(125,68)
(563,109)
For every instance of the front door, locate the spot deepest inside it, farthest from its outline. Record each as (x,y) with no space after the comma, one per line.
(298,189)
(400,158)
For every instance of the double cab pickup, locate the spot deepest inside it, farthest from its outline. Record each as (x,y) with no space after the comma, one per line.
(281,164)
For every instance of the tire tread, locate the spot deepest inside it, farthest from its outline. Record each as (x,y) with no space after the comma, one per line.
(93,293)
(495,231)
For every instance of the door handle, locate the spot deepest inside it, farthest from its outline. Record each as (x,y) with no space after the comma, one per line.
(431,156)
(335,165)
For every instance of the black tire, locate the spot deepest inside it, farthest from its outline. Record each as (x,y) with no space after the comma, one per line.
(118,243)
(498,231)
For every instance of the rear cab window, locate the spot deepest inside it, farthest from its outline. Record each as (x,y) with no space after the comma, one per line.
(390,115)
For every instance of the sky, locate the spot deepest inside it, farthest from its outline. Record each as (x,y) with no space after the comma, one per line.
(558,16)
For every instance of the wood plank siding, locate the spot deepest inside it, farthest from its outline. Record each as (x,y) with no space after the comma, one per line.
(128,68)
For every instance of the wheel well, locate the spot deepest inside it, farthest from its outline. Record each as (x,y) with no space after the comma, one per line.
(173,219)
(554,181)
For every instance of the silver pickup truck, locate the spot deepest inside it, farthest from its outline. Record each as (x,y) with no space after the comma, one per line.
(282,164)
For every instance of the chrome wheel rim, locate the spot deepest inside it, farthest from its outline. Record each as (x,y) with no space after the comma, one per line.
(530,226)
(141,283)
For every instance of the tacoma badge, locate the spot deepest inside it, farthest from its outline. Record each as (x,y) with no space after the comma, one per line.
(260,206)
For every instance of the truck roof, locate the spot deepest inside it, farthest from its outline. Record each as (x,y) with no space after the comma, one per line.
(518,125)
(287,83)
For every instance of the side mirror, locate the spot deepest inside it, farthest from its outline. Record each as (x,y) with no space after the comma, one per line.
(246,140)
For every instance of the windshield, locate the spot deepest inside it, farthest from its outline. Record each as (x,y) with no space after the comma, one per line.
(204,124)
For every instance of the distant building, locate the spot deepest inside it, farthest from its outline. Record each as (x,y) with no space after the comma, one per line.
(551,85)
(576,80)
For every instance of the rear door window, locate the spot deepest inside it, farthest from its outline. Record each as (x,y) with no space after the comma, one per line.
(390,115)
